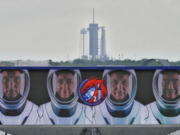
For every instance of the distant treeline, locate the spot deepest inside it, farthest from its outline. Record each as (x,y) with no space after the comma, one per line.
(126,62)
(82,62)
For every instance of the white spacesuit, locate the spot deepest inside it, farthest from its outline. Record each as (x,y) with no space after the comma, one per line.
(15,109)
(120,108)
(64,107)
(166,89)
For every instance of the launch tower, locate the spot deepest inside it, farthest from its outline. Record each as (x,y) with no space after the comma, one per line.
(97,50)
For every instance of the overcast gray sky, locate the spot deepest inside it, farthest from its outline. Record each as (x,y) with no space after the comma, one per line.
(50,29)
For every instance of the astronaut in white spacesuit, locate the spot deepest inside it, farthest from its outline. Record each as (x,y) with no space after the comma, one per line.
(119,107)
(64,107)
(166,89)
(15,109)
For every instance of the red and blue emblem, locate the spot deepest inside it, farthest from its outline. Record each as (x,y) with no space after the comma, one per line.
(92,91)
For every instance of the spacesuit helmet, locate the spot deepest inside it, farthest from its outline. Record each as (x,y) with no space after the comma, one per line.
(122,87)
(14,90)
(166,89)
(62,88)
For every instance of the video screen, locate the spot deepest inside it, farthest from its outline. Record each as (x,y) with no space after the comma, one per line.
(72,96)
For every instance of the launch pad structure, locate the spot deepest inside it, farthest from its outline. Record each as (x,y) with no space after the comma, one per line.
(97,41)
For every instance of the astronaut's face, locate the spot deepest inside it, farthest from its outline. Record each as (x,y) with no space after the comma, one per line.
(119,84)
(65,85)
(11,84)
(171,86)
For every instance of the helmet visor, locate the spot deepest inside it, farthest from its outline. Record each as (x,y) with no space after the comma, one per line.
(168,86)
(12,85)
(64,85)
(119,85)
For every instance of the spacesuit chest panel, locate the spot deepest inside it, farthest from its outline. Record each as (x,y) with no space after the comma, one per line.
(19,119)
(119,120)
(74,119)
(161,118)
